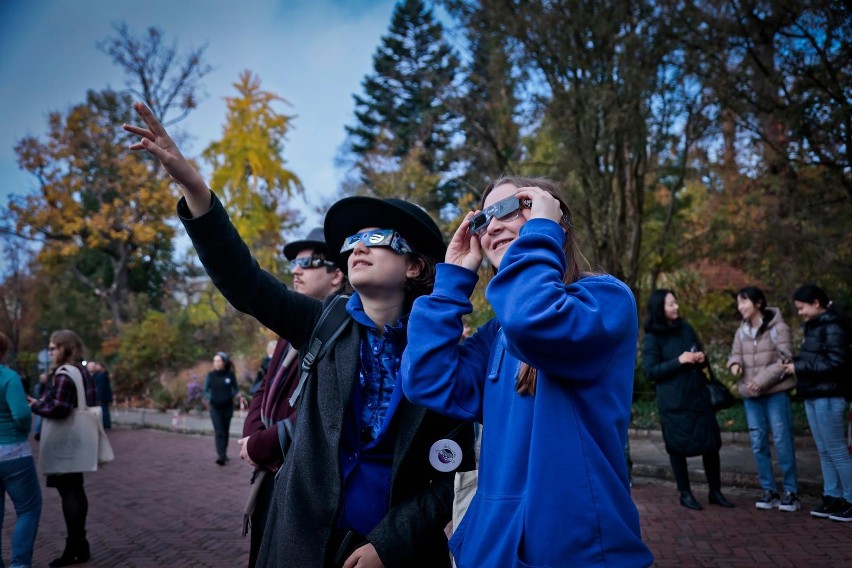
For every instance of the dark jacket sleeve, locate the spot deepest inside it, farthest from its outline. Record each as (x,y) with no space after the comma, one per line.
(240,279)
(416,523)
(827,360)
(655,367)
(253,423)
(263,446)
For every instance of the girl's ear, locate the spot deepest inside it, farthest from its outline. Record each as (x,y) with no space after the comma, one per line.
(414,266)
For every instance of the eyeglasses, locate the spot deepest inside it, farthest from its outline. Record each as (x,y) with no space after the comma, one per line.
(378,238)
(506,210)
(305,262)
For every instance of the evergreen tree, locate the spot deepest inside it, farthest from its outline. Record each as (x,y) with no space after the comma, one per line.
(488,105)
(404,106)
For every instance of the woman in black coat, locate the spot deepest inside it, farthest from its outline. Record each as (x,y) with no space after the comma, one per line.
(673,358)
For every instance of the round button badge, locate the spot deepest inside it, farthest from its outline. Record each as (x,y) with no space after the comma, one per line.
(445,455)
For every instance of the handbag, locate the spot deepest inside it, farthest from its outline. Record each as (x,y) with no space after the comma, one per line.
(720,396)
(77,443)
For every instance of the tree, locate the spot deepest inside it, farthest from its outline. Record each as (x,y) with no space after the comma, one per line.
(99,207)
(156,74)
(404,106)
(597,66)
(150,347)
(780,77)
(488,102)
(249,172)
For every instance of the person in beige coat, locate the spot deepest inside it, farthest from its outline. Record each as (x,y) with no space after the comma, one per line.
(762,345)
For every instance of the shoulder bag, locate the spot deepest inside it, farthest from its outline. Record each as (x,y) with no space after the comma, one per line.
(720,396)
(77,443)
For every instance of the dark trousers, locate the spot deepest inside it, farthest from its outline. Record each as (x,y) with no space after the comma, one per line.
(105,413)
(221,418)
(258,518)
(712,468)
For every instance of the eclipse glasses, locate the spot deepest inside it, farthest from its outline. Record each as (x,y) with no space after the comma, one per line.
(506,210)
(378,238)
(305,262)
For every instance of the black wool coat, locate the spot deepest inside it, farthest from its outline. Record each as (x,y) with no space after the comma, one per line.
(308,489)
(688,421)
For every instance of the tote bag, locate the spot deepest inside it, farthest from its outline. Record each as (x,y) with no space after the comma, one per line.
(78,442)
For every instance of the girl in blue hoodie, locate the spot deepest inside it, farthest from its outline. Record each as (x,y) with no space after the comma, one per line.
(550,378)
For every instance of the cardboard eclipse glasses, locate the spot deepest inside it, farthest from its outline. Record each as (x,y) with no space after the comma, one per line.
(505,210)
(305,262)
(378,238)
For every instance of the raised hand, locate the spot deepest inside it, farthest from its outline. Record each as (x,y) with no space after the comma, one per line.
(156,141)
(543,206)
(464,249)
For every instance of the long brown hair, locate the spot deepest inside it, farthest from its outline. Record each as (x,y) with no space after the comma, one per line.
(527,375)
(70,347)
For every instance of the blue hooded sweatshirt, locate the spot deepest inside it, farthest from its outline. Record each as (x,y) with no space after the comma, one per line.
(553,485)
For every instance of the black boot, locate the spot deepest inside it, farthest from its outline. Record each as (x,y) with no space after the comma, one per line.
(689,501)
(717,498)
(69,555)
(76,551)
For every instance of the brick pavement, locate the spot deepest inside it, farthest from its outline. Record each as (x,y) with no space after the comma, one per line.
(163,502)
(736,538)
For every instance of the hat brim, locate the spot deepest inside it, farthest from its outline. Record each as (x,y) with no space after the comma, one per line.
(295,247)
(351,214)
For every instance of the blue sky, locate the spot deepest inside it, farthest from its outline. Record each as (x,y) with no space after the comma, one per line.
(314,53)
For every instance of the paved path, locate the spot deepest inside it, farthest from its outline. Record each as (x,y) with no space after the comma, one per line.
(163,502)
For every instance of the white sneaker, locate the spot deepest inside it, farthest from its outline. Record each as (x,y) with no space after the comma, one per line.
(769,500)
(789,502)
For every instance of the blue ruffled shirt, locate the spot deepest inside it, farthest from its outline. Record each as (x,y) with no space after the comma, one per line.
(367,443)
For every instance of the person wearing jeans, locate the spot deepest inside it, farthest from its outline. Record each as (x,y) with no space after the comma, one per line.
(772,414)
(822,371)
(18,475)
(827,420)
(761,345)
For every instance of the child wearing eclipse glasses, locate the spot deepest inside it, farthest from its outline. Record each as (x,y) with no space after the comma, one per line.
(550,378)
(369,476)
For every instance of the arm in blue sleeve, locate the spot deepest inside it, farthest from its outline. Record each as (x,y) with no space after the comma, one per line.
(16,399)
(438,372)
(207,392)
(573,330)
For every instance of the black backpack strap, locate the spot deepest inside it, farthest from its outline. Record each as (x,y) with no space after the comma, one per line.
(329,327)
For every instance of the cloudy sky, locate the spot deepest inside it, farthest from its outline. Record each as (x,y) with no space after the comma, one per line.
(314,53)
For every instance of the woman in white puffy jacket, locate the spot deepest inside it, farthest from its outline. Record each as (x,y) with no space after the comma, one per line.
(761,346)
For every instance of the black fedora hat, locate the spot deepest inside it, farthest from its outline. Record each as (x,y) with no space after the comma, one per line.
(351,214)
(315,240)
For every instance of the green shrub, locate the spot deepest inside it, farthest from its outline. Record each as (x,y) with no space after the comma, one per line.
(646,417)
